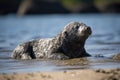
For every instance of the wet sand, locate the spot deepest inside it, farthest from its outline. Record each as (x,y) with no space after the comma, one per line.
(85,74)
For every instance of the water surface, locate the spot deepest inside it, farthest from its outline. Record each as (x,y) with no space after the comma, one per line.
(105,41)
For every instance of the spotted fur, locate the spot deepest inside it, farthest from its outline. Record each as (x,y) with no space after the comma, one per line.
(69,43)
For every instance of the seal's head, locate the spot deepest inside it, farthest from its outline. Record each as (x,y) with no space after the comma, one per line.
(74,37)
(77,31)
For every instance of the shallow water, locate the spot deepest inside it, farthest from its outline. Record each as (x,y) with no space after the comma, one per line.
(105,41)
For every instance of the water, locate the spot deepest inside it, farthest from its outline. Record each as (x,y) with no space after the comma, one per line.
(105,41)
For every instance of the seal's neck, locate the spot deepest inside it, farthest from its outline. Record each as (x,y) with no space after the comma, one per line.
(59,39)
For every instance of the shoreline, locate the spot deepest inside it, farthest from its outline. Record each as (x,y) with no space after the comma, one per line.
(83,74)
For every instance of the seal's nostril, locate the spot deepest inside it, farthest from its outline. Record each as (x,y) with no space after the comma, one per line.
(88,28)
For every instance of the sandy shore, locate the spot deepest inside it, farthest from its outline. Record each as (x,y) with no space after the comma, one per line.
(85,74)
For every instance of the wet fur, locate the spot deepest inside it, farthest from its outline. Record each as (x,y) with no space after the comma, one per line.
(67,44)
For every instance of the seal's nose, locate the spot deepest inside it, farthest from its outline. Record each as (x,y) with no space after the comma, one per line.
(88,28)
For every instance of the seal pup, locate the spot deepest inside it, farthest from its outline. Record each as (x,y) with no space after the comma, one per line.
(69,43)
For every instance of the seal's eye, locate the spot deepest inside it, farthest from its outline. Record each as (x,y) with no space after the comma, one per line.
(77,27)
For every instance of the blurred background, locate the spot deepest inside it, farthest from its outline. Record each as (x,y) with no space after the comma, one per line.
(22,7)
